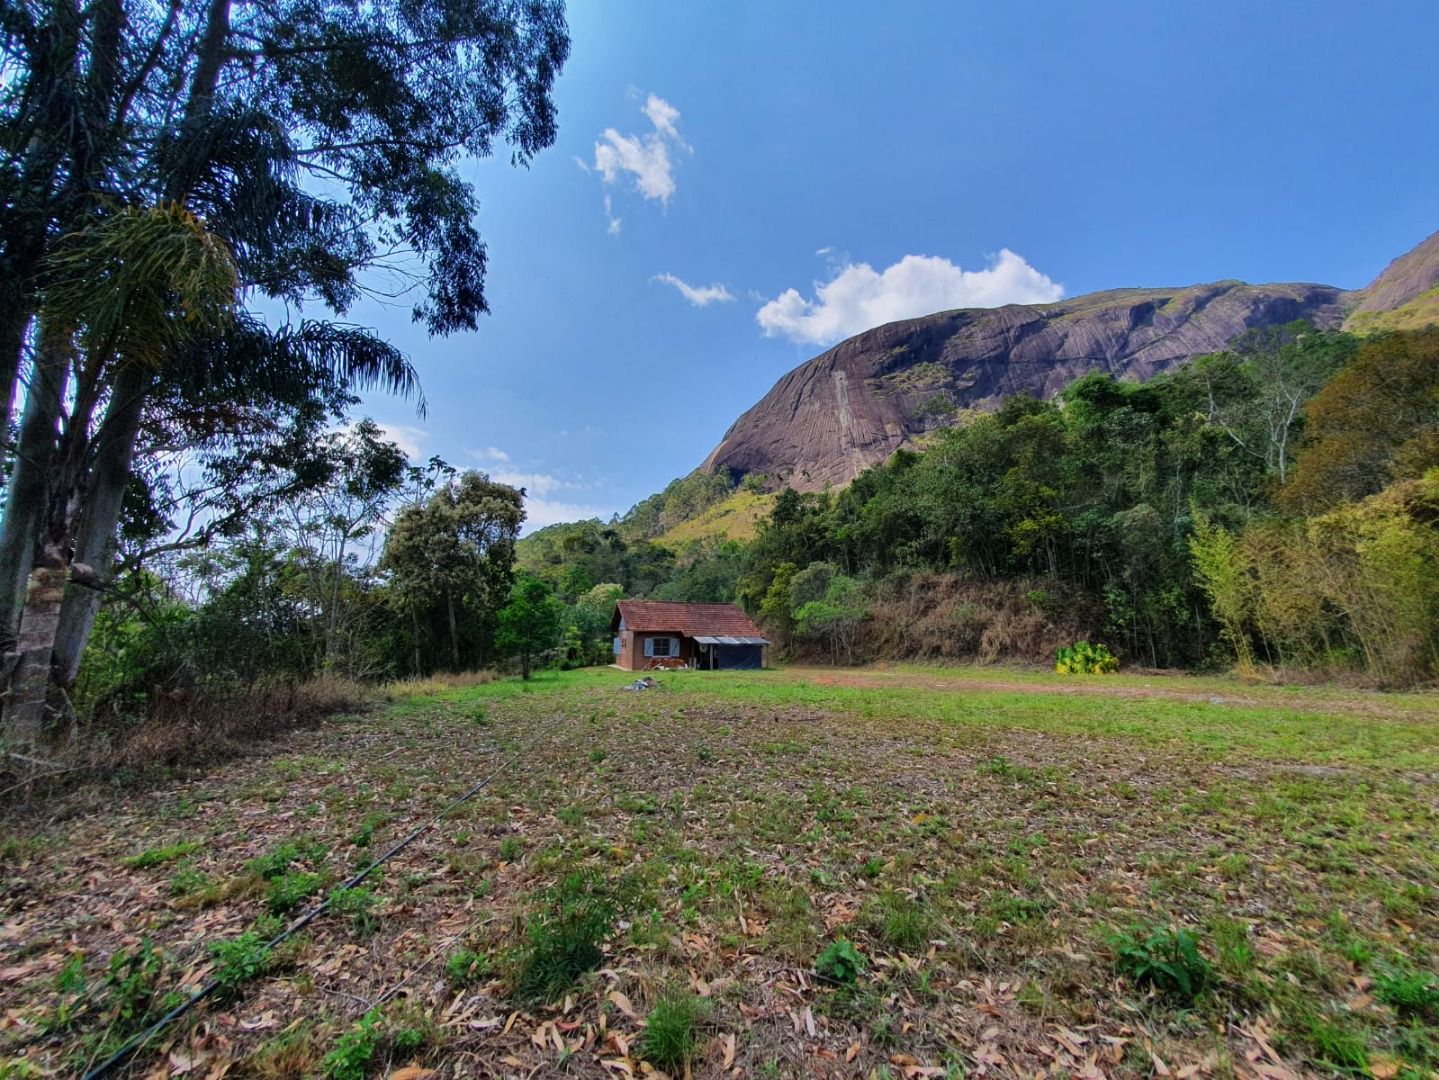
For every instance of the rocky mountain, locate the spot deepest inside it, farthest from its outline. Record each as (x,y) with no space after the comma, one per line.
(853,406)
(1404,296)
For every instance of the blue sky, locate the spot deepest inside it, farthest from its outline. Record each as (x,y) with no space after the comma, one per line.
(886,160)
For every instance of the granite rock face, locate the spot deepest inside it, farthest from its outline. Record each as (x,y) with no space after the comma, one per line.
(1406,278)
(853,406)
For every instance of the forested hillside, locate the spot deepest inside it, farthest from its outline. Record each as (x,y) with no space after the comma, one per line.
(1271,504)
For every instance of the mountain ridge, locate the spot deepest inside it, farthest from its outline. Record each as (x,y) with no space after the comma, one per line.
(852,406)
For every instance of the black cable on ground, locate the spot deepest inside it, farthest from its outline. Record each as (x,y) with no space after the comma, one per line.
(135,1042)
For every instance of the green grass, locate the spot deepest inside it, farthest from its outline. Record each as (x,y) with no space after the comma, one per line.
(1288,725)
(877,859)
(671,1034)
(159,856)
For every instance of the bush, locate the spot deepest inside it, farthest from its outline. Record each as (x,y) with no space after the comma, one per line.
(840,962)
(354,1050)
(1164,958)
(291,889)
(358,903)
(1082,658)
(239,961)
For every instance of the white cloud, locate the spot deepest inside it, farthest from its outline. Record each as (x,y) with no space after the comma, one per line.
(858,297)
(541,506)
(542,512)
(644,158)
(614,222)
(698,295)
(664,117)
(533,483)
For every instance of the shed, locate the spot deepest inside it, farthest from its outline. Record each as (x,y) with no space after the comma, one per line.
(712,637)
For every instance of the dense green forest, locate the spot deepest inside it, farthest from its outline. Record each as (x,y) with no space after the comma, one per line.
(190,512)
(1268,505)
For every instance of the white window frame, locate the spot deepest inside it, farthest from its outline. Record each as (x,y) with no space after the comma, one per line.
(671,648)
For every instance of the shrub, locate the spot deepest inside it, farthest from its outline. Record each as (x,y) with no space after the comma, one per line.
(1164,958)
(566,939)
(132,985)
(671,1031)
(840,962)
(1082,658)
(239,961)
(358,904)
(291,889)
(354,1050)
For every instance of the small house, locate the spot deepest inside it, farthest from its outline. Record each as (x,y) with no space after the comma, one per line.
(652,634)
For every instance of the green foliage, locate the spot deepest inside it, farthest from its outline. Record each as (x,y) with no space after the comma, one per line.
(466,967)
(1338,1046)
(512,848)
(565,938)
(357,904)
(450,563)
(355,1050)
(840,962)
(241,960)
(275,862)
(1165,958)
(671,1033)
(161,855)
(291,889)
(1082,658)
(834,617)
(529,625)
(132,984)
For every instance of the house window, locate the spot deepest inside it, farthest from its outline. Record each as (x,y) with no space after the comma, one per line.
(661,646)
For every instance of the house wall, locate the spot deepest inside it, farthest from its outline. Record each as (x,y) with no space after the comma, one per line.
(631,656)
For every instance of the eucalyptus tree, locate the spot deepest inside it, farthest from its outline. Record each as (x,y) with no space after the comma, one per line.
(313,140)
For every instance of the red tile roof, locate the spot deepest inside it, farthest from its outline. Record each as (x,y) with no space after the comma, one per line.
(660,616)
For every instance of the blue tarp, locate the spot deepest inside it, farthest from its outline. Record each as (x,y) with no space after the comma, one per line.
(738,657)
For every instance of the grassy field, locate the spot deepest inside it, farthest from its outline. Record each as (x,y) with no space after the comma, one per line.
(910,872)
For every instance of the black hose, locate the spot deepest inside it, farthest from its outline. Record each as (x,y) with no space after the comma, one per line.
(135,1042)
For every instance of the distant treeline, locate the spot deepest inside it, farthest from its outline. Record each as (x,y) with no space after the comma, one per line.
(1274,505)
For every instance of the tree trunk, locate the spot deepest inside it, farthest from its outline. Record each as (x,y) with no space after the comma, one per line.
(14,320)
(26,498)
(95,543)
(25,706)
(454,633)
